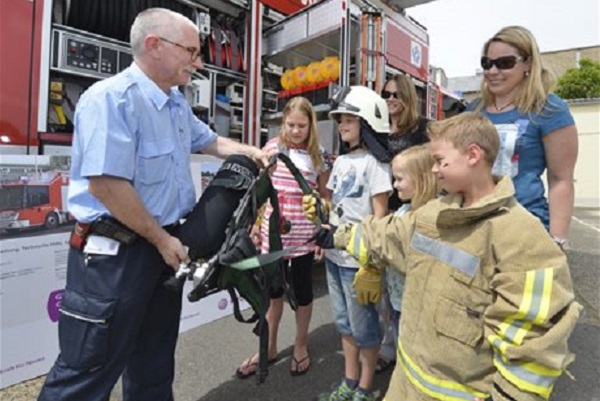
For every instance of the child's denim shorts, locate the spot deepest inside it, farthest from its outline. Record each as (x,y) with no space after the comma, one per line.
(351,318)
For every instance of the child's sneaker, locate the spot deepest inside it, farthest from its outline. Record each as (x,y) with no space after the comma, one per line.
(360,396)
(341,393)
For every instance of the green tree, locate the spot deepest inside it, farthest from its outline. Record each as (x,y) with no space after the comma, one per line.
(580,83)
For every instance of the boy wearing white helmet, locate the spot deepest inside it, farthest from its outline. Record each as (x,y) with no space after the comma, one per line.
(360,183)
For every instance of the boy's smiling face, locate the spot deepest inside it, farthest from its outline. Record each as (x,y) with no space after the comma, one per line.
(451,166)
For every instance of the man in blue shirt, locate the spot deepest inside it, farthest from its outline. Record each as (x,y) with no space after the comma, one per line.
(134,133)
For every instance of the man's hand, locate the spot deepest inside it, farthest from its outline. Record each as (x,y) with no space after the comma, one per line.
(367,283)
(172,251)
(260,157)
(309,207)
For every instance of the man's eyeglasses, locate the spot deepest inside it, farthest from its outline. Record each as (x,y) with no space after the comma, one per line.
(385,95)
(502,63)
(194,53)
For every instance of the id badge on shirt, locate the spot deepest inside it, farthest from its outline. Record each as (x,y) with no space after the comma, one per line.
(98,245)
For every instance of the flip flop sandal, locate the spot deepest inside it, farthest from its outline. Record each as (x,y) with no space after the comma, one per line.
(297,363)
(251,368)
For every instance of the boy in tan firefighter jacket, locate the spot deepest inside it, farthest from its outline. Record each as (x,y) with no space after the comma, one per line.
(488,303)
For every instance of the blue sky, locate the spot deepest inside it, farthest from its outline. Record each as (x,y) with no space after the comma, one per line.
(458,28)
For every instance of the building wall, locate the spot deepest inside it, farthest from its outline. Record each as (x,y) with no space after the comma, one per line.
(560,61)
(587,170)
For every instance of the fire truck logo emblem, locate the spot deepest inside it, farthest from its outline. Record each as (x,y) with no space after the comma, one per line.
(416,54)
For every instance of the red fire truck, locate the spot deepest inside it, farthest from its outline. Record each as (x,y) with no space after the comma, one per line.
(34,203)
(53,50)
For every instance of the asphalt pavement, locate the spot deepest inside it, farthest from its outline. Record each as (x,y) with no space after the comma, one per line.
(208,355)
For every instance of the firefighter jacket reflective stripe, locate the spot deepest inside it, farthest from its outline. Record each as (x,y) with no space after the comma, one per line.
(488,304)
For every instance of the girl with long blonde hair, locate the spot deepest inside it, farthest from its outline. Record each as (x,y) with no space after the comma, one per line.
(299,139)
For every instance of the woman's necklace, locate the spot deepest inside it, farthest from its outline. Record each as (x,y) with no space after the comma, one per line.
(503,107)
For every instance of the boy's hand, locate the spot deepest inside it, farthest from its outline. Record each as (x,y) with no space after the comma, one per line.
(367,283)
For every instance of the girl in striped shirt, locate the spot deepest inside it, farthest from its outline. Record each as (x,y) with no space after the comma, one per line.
(299,139)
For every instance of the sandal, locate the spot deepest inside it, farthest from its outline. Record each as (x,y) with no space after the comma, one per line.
(383,365)
(296,363)
(250,368)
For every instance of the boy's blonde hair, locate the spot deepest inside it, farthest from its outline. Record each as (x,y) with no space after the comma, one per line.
(417,163)
(304,106)
(466,129)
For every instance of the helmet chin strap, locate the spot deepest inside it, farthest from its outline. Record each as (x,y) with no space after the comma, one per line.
(355,147)
(377,143)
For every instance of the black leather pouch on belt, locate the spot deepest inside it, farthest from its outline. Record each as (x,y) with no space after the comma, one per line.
(79,235)
(109,227)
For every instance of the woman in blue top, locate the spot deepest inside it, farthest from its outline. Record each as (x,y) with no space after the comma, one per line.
(536,129)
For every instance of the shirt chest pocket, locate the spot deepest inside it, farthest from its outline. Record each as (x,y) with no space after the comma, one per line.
(458,322)
(154,161)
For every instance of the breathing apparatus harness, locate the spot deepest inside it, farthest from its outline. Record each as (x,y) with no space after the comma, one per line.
(236,266)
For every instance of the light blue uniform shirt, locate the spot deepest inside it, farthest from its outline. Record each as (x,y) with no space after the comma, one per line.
(127,127)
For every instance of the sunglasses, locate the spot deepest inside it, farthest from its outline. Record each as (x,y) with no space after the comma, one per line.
(385,95)
(502,63)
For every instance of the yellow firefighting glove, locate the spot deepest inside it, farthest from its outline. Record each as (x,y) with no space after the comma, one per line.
(309,207)
(367,284)
(260,215)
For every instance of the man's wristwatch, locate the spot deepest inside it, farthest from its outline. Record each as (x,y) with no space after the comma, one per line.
(563,243)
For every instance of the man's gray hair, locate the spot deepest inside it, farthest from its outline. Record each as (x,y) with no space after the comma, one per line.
(159,21)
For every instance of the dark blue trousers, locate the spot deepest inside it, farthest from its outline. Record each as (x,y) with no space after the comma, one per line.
(116,318)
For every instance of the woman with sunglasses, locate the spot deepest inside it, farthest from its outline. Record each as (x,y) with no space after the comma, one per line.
(407,128)
(537,131)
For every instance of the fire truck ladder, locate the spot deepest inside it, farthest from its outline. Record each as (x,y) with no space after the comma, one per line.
(371,65)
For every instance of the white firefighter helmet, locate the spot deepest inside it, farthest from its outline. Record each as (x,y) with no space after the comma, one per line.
(362,102)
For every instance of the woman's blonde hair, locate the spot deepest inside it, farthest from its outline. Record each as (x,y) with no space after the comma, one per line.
(407,95)
(535,86)
(417,163)
(304,106)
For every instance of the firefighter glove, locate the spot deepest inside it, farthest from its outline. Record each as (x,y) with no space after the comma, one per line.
(367,284)
(310,204)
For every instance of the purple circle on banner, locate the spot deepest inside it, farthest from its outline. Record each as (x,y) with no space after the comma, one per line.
(222,304)
(53,304)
